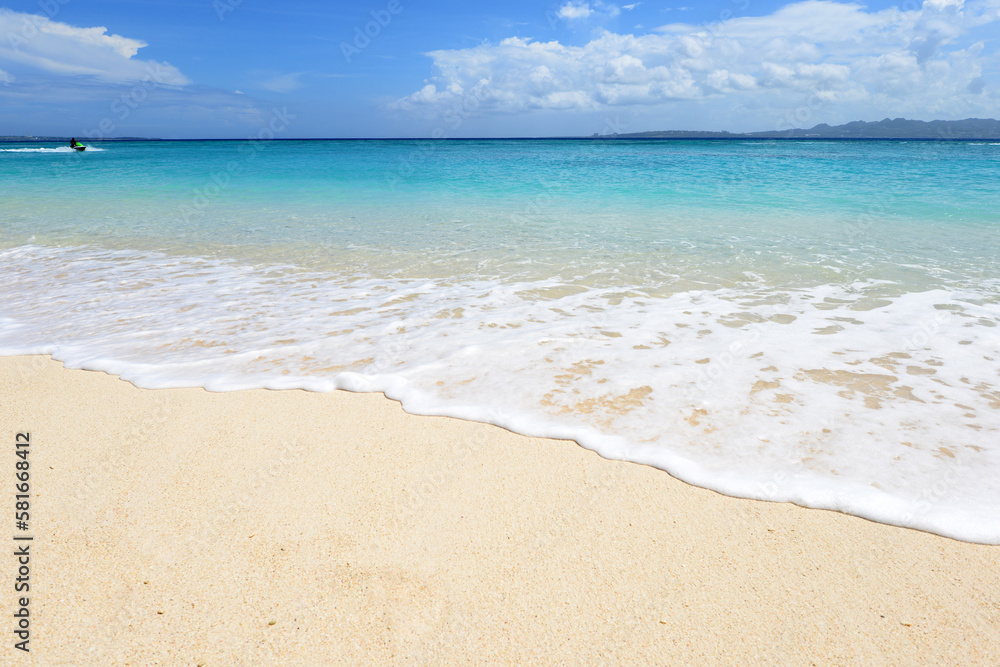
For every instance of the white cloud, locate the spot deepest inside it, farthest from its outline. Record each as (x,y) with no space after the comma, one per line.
(571,11)
(831,53)
(944,5)
(59,79)
(609,10)
(37,44)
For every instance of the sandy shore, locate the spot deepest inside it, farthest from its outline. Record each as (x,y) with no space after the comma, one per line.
(182,527)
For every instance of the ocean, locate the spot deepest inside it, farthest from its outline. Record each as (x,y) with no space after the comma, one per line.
(805,321)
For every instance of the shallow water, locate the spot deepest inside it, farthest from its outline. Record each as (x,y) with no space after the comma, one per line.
(804,321)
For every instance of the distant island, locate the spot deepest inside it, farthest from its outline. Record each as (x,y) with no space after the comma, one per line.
(887,128)
(895,128)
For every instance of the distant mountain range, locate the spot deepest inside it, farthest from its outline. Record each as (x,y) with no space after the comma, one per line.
(888,128)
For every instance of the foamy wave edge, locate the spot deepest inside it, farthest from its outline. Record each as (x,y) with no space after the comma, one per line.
(852,499)
(813,492)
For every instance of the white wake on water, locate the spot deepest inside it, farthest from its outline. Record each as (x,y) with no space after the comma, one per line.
(60,149)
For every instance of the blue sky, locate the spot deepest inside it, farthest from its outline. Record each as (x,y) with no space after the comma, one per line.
(419,68)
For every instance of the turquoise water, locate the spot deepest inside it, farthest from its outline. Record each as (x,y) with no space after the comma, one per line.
(805,321)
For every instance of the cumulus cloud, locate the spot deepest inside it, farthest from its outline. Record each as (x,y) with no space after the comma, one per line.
(575,10)
(830,52)
(571,11)
(59,79)
(40,45)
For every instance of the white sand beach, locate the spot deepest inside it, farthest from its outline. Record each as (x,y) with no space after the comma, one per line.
(183,527)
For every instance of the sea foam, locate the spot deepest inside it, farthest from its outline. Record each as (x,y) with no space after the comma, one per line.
(855,397)
(60,149)
(812,322)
